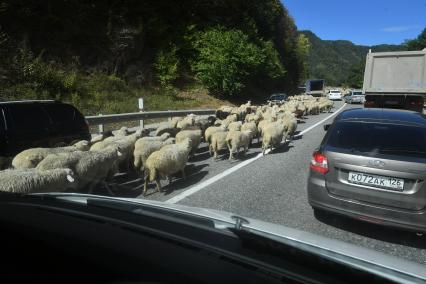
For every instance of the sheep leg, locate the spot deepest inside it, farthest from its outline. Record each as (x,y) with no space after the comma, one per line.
(183,174)
(158,184)
(211,150)
(145,185)
(108,188)
(215,155)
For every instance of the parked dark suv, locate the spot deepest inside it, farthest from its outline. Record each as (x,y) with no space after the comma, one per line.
(27,124)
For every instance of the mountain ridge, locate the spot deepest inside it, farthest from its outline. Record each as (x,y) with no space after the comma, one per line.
(333,60)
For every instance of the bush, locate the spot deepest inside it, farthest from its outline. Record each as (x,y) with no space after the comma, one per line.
(166,67)
(226,59)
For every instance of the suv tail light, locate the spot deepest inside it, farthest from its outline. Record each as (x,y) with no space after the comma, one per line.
(319,163)
(415,101)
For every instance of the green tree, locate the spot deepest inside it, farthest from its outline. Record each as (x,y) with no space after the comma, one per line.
(356,75)
(226,60)
(302,50)
(273,67)
(166,67)
(417,44)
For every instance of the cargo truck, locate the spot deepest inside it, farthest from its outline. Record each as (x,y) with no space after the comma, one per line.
(395,80)
(315,87)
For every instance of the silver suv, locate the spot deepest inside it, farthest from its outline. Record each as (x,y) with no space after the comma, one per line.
(371,165)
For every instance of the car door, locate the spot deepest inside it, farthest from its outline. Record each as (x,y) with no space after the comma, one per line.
(29,126)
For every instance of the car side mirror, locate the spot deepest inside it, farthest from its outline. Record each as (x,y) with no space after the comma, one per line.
(326,126)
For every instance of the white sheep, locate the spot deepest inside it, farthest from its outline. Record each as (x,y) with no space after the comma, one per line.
(209,131)
(272,135)
(166,127)
(100,137)
(223,111)
(202,123)
(123,131)
(126,145)
(82,145)
(32,180)
(218,142)
(235,126)
(237,139)
(252,127)
(262,125)
(193,135)
(30,158)
(144,148)
(186,123)
(162,137)
(90,168)
(290,126)
(174,121)
(165,162)
(217,122)
(253,117)
(230,118)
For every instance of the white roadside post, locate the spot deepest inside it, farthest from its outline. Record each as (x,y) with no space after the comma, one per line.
(140,103)
(100,126)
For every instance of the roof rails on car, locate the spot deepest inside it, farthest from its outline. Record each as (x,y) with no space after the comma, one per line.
(30,101)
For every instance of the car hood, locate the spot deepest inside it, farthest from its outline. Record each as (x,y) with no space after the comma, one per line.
(342,252)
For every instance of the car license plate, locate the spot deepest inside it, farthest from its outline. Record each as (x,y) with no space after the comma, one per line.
(376,181)
(393,103)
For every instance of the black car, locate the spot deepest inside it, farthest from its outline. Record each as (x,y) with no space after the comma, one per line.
(278,98)
(27,124)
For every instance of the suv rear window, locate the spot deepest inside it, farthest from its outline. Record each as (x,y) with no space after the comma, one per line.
(28,116)
(61,113)
(379,138)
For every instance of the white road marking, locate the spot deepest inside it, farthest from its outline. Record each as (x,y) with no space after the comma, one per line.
(229,171)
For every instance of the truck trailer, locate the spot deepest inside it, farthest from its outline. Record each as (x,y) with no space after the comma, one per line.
(395,80)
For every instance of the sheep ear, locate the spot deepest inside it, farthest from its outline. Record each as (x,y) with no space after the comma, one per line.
(119,153)
(70,178)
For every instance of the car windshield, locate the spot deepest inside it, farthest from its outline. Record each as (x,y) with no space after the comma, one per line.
(379,138)
(224,106)
(278,97)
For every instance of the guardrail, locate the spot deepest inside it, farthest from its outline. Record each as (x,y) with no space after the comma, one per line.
(113,118)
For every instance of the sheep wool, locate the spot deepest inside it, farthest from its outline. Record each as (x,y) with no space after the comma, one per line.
(218,142)
(193,135)
(165,162)
(237,139)
(272,136)
(32,180)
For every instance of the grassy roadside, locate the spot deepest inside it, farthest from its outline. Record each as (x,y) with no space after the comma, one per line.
(194,98)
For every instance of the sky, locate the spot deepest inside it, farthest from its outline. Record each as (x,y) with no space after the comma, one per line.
(360,21)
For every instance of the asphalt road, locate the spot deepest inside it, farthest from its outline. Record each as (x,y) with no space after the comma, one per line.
(273,188)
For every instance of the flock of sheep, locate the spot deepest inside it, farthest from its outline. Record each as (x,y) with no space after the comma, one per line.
(87,164)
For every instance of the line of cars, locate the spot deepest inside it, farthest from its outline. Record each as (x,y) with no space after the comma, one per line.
(352,97)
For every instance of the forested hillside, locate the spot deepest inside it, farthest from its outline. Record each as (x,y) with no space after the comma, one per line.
(100,55)
(336,61)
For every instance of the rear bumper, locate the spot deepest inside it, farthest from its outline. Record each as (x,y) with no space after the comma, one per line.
(319,197)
